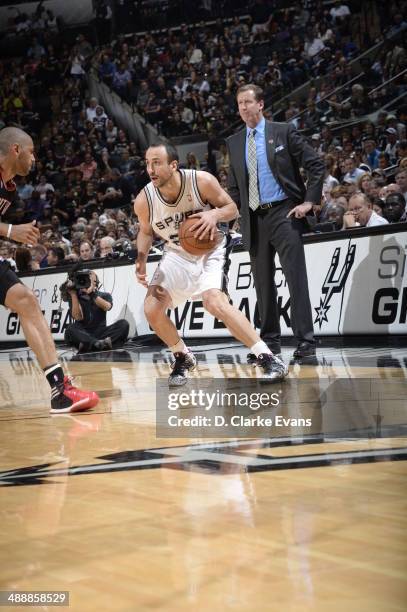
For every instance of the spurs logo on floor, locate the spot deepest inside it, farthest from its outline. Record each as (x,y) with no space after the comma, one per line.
(211,458)
(334,283)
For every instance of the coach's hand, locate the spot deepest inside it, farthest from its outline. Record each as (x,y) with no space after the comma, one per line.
(205,223)
(300,210)
(141,273)
(26,233)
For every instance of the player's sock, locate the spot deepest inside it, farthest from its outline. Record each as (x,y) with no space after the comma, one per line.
(55,376)
(260,348)
(180,347)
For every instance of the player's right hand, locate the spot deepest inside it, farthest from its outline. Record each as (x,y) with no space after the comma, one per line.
(141,273)
(26,233)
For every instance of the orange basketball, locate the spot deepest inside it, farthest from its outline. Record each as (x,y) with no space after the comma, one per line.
(195,246)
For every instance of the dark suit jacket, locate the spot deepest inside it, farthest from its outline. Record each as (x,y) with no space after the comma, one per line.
(287,152)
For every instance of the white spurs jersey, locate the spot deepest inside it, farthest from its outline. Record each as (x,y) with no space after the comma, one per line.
(166,217)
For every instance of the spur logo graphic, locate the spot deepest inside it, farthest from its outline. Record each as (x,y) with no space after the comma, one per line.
(334,282)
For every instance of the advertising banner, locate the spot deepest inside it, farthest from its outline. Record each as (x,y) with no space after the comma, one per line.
(357,286)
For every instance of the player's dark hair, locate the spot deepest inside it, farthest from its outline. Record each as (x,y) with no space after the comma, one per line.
(172,152)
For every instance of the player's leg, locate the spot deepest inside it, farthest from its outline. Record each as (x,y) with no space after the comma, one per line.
(213,288)
(158,300)
(22,301)
(217,304)
(18,298)
(156,304)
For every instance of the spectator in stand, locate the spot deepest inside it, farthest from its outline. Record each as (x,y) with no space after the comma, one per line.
(36,51)
(261,17)
(91,109)
(24,260)
(122,81)
(100,119)
(402,149)
(192,162)
(394,208)
(43,186)
(106,246)
(107,70)
(55,256)
(331,219)
(339,12)
(329,181)
(77,63)
(86,251)
(143,96)
(364,184)
(361,214)
(313,44)
(371,153)
(384,161)
(24,189)
(391,147)
(87,168)
(352,172)
(401,180)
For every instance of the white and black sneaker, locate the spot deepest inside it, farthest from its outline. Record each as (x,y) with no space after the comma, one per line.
(252,359)
(182,364)
(274,369)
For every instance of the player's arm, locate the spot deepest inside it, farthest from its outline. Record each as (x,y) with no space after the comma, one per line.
(144,237)
(224,208)
(26,233)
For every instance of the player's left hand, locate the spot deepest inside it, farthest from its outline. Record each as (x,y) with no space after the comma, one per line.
(205,224)
(300,210)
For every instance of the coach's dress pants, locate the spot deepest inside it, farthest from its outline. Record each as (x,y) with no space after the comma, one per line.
(274,233)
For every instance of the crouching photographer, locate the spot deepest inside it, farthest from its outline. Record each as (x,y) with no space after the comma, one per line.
(88,308)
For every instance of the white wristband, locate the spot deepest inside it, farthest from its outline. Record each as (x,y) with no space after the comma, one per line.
(10,227)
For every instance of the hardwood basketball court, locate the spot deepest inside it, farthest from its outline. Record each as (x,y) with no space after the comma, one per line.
(304,519)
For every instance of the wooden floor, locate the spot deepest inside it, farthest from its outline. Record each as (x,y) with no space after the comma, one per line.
(303,519)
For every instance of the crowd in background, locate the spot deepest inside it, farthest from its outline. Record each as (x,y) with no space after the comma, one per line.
(184,82)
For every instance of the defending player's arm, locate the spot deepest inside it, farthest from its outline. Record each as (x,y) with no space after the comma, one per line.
(144,237)
(26,233)
(224,208)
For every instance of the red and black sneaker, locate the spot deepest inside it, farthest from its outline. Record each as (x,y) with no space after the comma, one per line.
(70,399)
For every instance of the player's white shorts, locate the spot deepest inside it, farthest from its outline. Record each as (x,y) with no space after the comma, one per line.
(186,277)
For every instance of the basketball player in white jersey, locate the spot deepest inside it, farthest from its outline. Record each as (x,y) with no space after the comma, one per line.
(17,158)
(170,197)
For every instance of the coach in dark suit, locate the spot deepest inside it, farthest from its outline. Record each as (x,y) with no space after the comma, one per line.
(265,182)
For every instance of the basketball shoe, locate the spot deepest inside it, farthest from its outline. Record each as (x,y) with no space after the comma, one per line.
(274,369)
(182,364)
(67,398)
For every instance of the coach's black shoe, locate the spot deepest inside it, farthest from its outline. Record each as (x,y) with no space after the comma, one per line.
(304,349)
(274,369)
(183,363)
